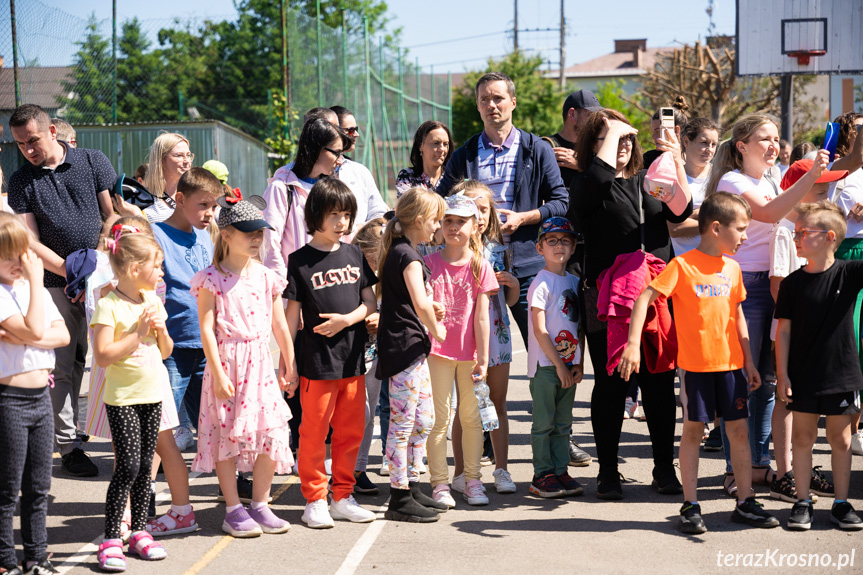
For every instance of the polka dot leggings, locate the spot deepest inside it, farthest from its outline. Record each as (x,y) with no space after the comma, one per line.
(134,429)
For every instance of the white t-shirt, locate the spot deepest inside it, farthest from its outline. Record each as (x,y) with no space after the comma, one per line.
(851,194)
(783,258)
(754,254)
(558,296)
(14,358)
(696,188)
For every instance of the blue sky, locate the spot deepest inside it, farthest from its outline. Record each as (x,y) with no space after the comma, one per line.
(434,34)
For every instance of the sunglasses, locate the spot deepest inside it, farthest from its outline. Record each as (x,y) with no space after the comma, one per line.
(352,131)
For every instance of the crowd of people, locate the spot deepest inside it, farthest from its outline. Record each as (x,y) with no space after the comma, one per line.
(730,283)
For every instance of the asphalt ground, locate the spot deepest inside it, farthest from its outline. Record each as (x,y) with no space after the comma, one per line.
(516,533)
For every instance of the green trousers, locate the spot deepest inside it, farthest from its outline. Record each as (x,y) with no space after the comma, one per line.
(552,421)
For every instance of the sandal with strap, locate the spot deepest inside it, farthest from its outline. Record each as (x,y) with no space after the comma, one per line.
(767,479)
(730,486)
(111,556)
(142,544)
(182,524)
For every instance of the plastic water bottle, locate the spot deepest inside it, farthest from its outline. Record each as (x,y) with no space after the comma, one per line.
(487,412)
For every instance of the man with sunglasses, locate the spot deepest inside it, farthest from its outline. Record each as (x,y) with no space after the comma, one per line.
(62,194)
(348,124)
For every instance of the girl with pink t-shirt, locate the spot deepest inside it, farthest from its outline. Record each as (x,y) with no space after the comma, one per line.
(461,279)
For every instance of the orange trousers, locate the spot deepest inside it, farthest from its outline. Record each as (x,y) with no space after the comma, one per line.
(342,404)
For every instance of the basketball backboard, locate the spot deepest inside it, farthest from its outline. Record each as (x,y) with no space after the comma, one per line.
(776,37)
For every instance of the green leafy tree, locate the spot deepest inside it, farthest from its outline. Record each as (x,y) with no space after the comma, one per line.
(142,95)
(89,93)
(538,99)
(611,95)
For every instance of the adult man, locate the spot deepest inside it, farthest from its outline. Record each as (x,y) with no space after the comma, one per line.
(348,124)
(576,109)
(522,173)
(62,195)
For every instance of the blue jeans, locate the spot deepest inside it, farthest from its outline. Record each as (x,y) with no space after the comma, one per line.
(758,309)
(384,410)
(521,310)
(186,372)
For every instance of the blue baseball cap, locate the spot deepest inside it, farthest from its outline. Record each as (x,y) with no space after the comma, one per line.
(556,224)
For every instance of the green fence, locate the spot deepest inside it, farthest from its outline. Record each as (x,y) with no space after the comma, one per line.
(228,69)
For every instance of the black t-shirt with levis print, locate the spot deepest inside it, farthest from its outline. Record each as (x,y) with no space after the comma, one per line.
(329,282)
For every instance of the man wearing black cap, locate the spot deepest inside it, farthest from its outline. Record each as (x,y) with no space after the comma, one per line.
(576,109)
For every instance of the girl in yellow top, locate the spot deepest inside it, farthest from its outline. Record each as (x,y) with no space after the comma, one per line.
(130,340)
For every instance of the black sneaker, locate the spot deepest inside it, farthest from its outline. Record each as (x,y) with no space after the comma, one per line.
(487,450)
(12,570)
(43,567)
(364,485)
(151,507)
(752,513)
(690,521)
(608,485)
(577,456)
(665,481)
(548,487)
(714,440)
(843,515)
(77,464)
(819,484)
(801,516)
(783,488)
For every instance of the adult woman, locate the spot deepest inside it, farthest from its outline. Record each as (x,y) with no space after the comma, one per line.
(610,200)
(170,158)
(739,167)
(431,151)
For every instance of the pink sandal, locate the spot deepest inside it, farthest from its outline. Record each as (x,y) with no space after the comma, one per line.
(182,524)
(142,544)
(111,556)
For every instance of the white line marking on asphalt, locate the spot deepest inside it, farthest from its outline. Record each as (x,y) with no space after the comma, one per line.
(364,543)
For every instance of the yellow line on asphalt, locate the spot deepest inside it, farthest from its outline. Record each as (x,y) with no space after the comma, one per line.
(223,543)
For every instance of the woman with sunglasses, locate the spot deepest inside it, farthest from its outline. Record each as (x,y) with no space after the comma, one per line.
(170,158)
(431,151)
(609,198)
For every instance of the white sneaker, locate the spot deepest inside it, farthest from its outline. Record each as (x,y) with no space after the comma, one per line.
(857,443)
(349,509)
(503,482)
(629,408)
(442,494)
(474,493)
(184,438)
(385,468)
(317,515)
(458,484)
(328,466)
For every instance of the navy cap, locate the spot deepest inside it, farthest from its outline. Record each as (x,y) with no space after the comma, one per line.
(583,99)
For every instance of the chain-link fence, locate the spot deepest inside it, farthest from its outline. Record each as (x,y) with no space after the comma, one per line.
(228,69)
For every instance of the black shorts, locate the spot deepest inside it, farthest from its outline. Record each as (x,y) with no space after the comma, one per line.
(706,395)
(845,403)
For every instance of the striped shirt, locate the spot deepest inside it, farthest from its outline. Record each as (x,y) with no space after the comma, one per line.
(496,167)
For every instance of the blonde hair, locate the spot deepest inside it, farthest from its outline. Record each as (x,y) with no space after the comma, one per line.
(417,202)
(14,236)
(129,242)
(368,237)
(221,249)
(155,178)
(728,158)
(475,243)
(476,189)
(825,215)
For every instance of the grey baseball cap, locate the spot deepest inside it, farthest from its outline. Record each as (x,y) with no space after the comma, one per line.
(245,215)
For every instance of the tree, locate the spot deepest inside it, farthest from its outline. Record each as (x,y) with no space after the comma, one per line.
(142,95)
(611,95)
(89,93)
(538,99)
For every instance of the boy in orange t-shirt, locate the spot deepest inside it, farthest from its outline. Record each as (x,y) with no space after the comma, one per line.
(706,289)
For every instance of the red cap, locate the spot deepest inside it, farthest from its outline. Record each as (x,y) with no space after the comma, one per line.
(796,170)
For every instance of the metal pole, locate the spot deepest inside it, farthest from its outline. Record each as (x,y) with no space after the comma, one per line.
(18,101)
(320,64)
(787,95)
(562,47)
(370,141)
(182,106)
(345,59)
(434,92)
(285,88)
(385,182)
(419,93)
(114,90)
(515,26)
(449,98)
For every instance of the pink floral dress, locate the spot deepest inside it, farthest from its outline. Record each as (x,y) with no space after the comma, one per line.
(255,420)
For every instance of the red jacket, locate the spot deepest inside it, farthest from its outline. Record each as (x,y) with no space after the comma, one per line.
(619,286)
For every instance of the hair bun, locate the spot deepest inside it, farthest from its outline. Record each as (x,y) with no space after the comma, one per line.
(680,104)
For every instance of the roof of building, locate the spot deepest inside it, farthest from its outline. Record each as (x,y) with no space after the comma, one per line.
(40,86)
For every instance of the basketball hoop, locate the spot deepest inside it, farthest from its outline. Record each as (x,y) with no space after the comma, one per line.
(804,55)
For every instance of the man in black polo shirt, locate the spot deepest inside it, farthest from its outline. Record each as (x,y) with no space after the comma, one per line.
(62,195)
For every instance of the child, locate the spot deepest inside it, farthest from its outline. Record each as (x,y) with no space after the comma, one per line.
(330,283)
(554,359)
(33,328)
(461,280)
(500,339)
(188,249)
(368,238)
(783,261)
(407,311)
(707,290)
(816,353)
(130,341)
(243,422)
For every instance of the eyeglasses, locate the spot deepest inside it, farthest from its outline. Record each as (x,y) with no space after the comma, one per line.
(337,153)
(565,242)
(352,131)
(803,232)
(188,155)
(628,140)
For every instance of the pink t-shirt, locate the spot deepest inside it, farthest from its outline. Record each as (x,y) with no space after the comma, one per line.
(456,288)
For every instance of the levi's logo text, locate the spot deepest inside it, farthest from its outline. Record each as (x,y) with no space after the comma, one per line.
(334,277)
(719,289)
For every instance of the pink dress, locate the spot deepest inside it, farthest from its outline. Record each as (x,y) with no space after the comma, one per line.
(255,420)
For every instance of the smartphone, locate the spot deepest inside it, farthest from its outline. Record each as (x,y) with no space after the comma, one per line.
(666,118)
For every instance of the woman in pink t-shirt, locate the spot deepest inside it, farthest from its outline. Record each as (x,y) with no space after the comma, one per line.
(461,280)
